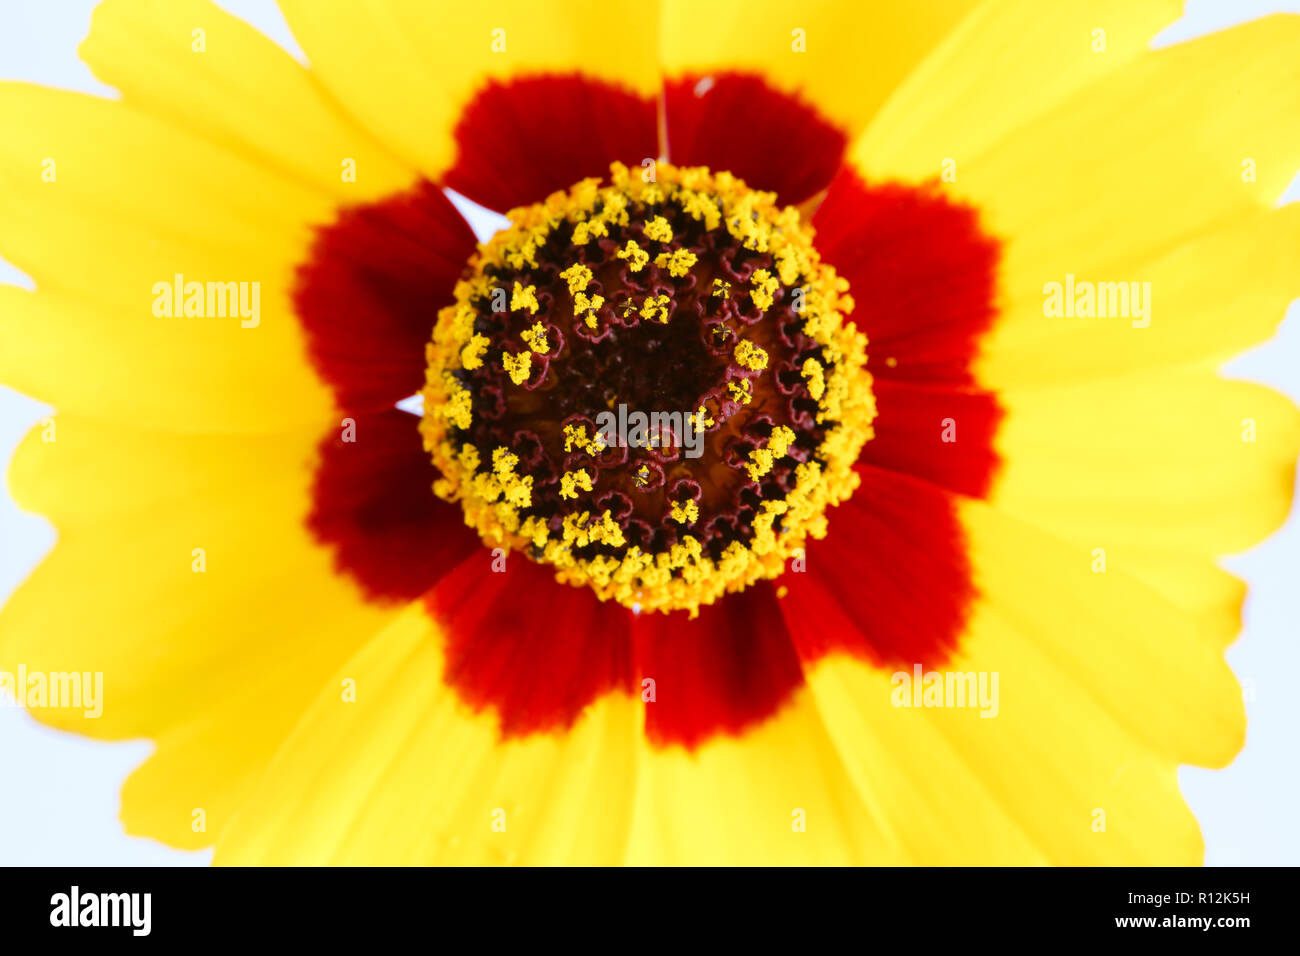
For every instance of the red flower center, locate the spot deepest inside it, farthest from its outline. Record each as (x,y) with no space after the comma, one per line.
(889,584)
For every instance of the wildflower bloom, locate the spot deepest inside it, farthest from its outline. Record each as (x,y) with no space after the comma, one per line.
(823,233)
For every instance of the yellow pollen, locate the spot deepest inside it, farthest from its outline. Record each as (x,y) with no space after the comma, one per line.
(780,441)
(518,366)
(575,436)
(686,512)
(765,284)
(458,405)
(471,356)
(463,321)
(517,491)
(678,263)
(578,276)
(762,459)
(700,206)
(573,481)
(812,371)
(586,306)
(658,229)
(750,356)
(584,230)
(636,256)
(524,297)
(656,308)
(721,287)
(582,529)
(535,339)
(788,265)
(526,255)
(760,463)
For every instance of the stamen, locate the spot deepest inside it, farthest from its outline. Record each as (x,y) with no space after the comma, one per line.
(692,297)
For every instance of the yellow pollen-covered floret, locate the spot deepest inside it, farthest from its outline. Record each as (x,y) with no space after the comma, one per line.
(741,391)
(636,256)
(517,491)
(744,223)
(584,230)
(535,339)
(575,436)
(578,276)
(571,482)
(518,366)
(700,206)
(789,264)
(659,230)
(678,262)
(534,531)
(459,404)
(586,306)
(762,459)
(462,322)
(721,287)
(760,463)
(524,297)
(525,255)
(781,439)
(581,529)
(750,356)
(655,308)
(813,372)
(471,356)
(764,285)
(686,512)
(615,210)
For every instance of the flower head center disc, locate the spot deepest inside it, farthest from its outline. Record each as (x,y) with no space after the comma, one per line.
(650,386)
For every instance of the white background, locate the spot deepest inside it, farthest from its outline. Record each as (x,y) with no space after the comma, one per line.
(59,793)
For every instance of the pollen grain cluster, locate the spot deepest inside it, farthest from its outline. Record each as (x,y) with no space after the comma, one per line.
(681,292)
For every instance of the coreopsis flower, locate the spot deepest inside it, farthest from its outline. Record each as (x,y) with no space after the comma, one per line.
(920,564)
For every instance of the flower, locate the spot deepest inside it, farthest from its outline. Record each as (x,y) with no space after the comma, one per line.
(243,265)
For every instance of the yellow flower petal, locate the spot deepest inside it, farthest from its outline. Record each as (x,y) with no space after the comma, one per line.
(135,203)
(844,57)
(954,106)
(1104,687)
(1129,166)
(196,66)
(405,68)
(407,776)
(779,795)
(1211,297)
(216,665)
(1183,461)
